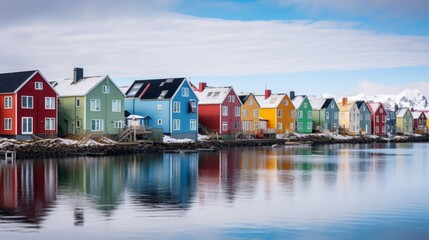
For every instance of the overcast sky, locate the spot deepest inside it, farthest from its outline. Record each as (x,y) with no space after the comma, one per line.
(312,47)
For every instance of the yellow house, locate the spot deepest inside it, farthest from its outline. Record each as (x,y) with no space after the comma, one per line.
(278,111)
(250,114)
(427,119)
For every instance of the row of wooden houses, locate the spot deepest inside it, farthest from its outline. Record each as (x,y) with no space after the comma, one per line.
(32,105)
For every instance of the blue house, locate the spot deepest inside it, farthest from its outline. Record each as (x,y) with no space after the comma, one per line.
(169,104)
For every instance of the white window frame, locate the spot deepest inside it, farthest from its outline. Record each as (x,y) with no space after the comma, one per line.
(309,125)
(291,126)
(27,126)
(49,102)
(93,105)
(237,111)
(159,107)
(185,92)
(232,98)
(279,113)
(25,99)
(116,105)
(229,98)
(8,102)
(299,126)
(245,112)
(279,126)
(309,114)
(77,102)
(224,126)
(38,85)
(176,124)
(106,89)
(193,124)
(159,122)
(118,124)
(50,124)
(176,107)
(8,124)
(225,111)
(100,124)
(256,113)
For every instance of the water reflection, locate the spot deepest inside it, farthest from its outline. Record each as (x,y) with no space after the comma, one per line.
(28,191)
(288,185)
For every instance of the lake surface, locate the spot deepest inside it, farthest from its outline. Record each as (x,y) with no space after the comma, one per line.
(376,191)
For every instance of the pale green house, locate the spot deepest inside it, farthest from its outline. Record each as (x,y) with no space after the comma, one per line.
(86,104)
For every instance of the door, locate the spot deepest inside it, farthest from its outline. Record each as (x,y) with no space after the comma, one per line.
(27,125)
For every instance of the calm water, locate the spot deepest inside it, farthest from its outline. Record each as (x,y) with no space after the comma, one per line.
(326,192)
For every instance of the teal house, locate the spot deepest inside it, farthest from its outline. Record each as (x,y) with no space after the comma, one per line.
(325,114)
(168,104)
(89,104)
(365,117)
(304,113)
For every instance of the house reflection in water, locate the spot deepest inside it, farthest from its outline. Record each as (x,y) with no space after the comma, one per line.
(165,181)
(28,189)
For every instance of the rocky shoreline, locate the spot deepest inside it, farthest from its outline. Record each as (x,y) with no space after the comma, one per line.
(61,147)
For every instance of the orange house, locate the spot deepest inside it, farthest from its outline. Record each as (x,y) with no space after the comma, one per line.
(278,110)
(250,113)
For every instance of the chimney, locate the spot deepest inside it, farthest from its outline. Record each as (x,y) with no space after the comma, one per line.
(267,93)
(412,109)
(344,101)
(77,74)
(202,86)
(396,107)
(292,95)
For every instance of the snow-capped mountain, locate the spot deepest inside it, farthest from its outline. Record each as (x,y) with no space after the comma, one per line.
(411,98)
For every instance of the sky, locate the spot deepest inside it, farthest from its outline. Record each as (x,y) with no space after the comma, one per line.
(308,46)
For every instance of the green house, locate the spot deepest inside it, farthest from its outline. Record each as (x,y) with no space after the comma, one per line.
(304,115)
(86,104)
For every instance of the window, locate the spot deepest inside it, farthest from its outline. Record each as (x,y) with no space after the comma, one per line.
(256,113)
(237,111)
(291,113)
(335,115)
(159,122)
(232,98)
(245,113)
(209,94)
(376,129)
(49,123)
(305,105)
(383,129)
(309,125)
(185,92)
(96,125)
(7,102)
(162,95)
(381,110)
(38,85)
(291,126)
(236,125)
(49,103)
(332,106)
(251,102)
(159,107)
(116,105)
(224,110)
(300,114)
(95,105)
(327,115)
(256,126)
(176,107)
(279,113)
(106,89)
(193,124)
(134,89)
(8,124)
(216,94)
(77,102)
(229,98)
(383,119)
(299,126)
(27,102)
(309,114)
(377,118)
(273,100)
(118,124)
(78,124)
(224,126)
(161,84)
(176,124)
(27,125)
(285,102)
(192,106)
(279,126)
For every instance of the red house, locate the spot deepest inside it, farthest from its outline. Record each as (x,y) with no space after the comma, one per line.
(28,105)
(378,118)
(419,122)
(219,109)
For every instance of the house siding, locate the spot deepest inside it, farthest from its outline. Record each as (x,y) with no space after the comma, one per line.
(250,110)
(365,119)
(185,115)
(231,119)
(305,119)
(69,114)
(209,116)
(8,113)
(150,108)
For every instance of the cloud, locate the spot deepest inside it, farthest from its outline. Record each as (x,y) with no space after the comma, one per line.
(373,88)
(388,8)
(177,45)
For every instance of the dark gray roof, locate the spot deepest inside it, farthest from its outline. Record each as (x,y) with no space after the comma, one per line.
(243,98)
(360,103)
(10,82)
(153,88)
(327,102)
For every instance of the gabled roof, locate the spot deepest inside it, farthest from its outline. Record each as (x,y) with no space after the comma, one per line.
(426,114)
(243,97)
(321,103)
(150,89)
(273,101)
(10,82)
(213,95)
(298,100)
(416,115)
(66,87)
(373,106)
(401,112)
(346,107)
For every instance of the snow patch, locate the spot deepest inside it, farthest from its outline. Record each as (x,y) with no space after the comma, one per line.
(168,139)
